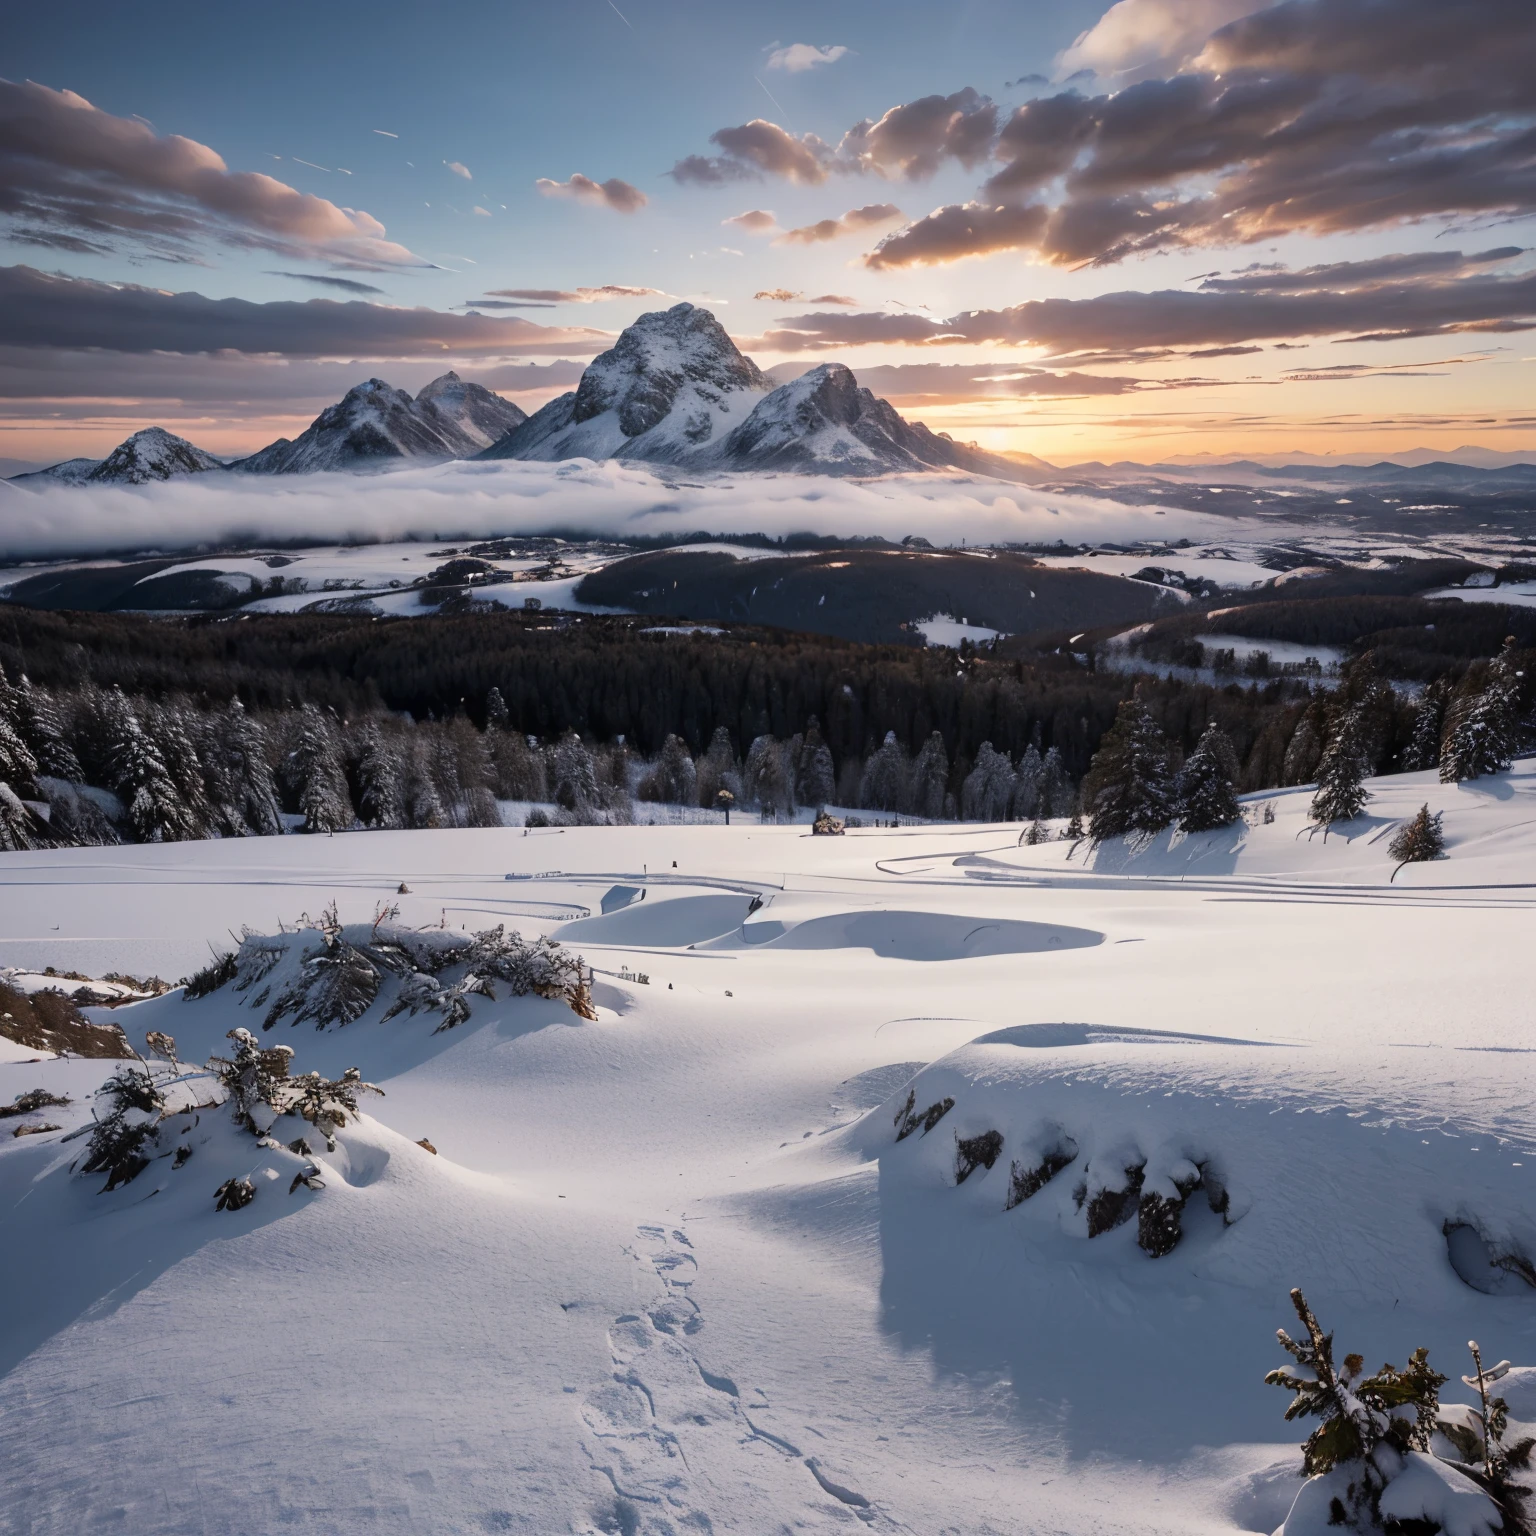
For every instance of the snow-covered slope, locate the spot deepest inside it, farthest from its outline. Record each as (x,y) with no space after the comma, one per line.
(674,389)
(824,422)
(70,472)
(376,425)
(671,386)
(671,1270)
(153,454)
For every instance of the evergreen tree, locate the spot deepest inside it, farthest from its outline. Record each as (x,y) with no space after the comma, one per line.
(141,779)
(18,766)
(1026,793)
(171,729)
(496,716)
(1482,722)
(987,793)
(245,752)
(672,778)
(930,779)
(17,826)
(423,805)
(519,766)
(44,735)
(1057,795)
(883,786)
(716,770)
(316,769)
(815,782)
(1417,841)
(1423,750)
(766,778)
(380,781)
(1206,799)
(575,776)
(1129,788)
(1305,751)
(1341,792)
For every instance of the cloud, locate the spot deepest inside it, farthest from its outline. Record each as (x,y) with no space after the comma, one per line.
(75,178)
(855,221)
(910,385)
(342,284)
(43,310)
(910,141)
(458,501)
(833,298)
(1309,117)
(755,221)
(483,213)
(1386,298)
(578,295)
(613,193)
(1137,35)
(957,231)
(756,149)
(458,170)
(802,56)
(778,295)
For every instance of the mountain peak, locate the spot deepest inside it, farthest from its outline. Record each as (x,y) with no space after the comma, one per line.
(151,454)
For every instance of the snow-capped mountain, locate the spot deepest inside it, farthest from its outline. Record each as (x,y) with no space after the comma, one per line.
(669,389)
(674,389)
(376,424)
(70,472)
(825,423)
(153,454)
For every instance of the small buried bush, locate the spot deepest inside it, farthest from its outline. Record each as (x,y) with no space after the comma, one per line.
(976,1152)
(25,1103)
(909,1118)
(1109,1207)
(1028,1179)
(49,1021)
(1159,1216)
(234,1195)
(220,970)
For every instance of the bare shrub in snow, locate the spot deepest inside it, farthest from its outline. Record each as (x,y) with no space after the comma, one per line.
(217,973)
(1160,1211)
(25,1103)
(119,1140)
(256,1080)
(326,1103)
(973,1152)
(909,1118)
(1110,1193)
(1027,1179)
(234,1195)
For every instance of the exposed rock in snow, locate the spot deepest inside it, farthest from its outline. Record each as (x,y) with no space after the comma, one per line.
(153,454)
(672,385)
(376,424)
(674,389)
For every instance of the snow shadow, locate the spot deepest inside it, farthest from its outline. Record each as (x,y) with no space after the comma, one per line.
(1050,1036)
(902,935)
(671,924)
(1172,853)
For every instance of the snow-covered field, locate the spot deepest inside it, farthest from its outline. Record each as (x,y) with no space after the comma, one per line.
(672,1271)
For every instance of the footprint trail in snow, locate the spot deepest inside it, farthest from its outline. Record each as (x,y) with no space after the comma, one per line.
(676,1440)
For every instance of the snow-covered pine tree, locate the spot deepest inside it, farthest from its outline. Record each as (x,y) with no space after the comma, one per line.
(171,728)
(987,793)
(256,1080)
(140,777)
(815,782)
(423,806)
(245,751)
(43,733)
(716,770)
(1341,792)
(672,777)
(1417,841)
(496,715)
(443,765)
(1482,721)
(380,792)
(1205,794)
(1304,752)
(574,779)
(1128,789)
(315,765)
(520,773)
(884,784)
(18,831)
(1492,1462)
(1026,793)
(1423,749)
(930,778)
(1074,832)
(766,776)
(1058,795)
(18,767)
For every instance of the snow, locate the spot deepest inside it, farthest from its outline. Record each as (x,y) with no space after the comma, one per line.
(1220,566)
(671,1269)
(946,629)
(1517,594)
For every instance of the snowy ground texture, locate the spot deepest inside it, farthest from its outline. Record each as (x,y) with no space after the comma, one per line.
(671,1270)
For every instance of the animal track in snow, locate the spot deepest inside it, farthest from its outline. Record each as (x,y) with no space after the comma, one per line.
(676,1440)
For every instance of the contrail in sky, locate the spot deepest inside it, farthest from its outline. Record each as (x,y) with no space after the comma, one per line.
(769,94)
(622,17)
(385,133)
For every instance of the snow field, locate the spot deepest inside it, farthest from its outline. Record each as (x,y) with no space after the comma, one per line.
(671,1270)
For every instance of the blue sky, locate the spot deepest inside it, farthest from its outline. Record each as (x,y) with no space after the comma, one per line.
(1069,200)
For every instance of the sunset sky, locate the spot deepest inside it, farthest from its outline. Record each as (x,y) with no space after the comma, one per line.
(1169,228)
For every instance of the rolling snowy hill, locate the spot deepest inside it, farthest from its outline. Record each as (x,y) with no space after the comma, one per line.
(677,1269)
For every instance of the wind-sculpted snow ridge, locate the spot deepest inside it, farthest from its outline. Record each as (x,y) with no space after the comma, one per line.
(331,974)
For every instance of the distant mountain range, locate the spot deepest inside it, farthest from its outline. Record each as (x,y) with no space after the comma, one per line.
(675,390)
